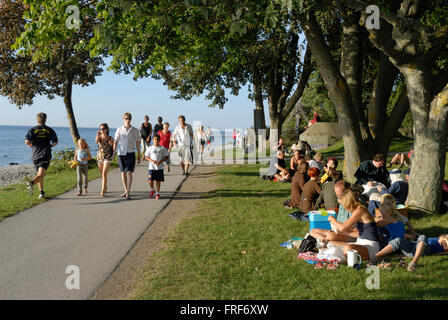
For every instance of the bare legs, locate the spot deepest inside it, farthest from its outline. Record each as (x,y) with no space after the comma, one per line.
(104,168)
(126,178)
(39,178)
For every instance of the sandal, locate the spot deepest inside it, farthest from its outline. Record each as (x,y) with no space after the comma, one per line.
(402,263)
(332,266)
(412,266)
(385,265)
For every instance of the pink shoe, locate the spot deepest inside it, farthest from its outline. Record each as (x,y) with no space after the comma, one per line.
(157,196)
(151,194)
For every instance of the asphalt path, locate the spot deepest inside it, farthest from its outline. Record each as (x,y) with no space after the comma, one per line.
(43,249)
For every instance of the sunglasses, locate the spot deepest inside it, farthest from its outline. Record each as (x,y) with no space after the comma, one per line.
(103,129)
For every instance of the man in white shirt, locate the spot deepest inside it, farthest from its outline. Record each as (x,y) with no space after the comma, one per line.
(126,143)
(184,135)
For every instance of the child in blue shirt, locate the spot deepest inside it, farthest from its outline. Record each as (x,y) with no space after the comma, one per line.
(415,249)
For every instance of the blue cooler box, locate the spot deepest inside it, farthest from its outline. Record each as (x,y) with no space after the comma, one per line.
(319,219)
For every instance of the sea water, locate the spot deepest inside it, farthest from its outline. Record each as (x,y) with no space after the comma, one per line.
(13,149)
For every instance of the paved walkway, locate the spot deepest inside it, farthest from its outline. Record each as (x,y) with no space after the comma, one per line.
(90,232)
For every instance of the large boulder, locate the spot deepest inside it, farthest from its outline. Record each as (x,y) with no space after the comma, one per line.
(322,134)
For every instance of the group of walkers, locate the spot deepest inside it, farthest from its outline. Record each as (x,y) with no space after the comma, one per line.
(127,142)
(368,212)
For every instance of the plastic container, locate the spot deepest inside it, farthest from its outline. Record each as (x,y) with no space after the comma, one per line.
(319,219)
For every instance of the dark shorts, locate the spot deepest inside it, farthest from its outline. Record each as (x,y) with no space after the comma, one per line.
(41,163)
(156,175)
(127,162)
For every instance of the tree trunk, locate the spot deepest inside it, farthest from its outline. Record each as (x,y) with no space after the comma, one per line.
(258,96)
(430,132)
(69,109)
(339,92)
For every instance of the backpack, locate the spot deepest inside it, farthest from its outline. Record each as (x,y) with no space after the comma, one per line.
(308,244)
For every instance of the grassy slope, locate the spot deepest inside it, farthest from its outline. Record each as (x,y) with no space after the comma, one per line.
(14,198)
(231,251)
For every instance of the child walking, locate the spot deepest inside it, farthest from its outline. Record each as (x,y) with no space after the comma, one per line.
(82,155)
(156,155)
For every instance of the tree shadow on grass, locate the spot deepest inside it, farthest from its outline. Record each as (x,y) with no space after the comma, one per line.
(249,193)
(433,231)
(241,174)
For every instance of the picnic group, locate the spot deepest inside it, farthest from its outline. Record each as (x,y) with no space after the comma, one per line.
(366,219)
(129,144)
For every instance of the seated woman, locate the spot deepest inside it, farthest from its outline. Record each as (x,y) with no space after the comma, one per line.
(295,160)
(330,168)
(298,181)
(415,249)
(389,223)
(311,191)
(400,158)
(349,235)
(367,243)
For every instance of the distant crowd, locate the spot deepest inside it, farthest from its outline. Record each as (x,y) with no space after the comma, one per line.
(370,214)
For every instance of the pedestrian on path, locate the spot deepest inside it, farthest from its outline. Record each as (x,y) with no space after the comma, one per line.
(166,142)
(145,134)
(41,139)
(185,138)
(104,155)
(201,137)
(82,155)
(156,155)
(158,126)
(125,145)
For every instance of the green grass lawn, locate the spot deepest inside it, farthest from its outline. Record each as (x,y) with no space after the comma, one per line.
(15,198)
(232,251)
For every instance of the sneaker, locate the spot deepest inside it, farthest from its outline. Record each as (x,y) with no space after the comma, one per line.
(187,174)
(29,187)
(42,195)
(157,196)
(151,193)
(183,173)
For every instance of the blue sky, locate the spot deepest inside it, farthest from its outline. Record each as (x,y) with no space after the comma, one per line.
(112,95)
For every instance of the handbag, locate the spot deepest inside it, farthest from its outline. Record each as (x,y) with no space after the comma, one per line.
(308,244)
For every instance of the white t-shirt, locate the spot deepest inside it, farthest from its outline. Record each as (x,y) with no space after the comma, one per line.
(126,140)
(156,154)
(183,135)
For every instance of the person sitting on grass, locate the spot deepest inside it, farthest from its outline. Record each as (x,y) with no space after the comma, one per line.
(399,187)
(367,243)
(328,196)
(373,170)
(389,223)
(156,155)
(278,169)
(330,168)
(311,191)
(295,160)
(389,201)
(299,180)
(82,155)
(415,249)
(349,235)
(400,158)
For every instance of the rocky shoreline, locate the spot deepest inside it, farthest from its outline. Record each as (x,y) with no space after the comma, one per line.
(15,174)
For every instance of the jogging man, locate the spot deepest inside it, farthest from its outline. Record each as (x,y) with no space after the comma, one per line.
(41,139)
(125,144)
(185,138)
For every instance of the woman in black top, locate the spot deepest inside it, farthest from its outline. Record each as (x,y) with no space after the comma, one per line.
(145,134)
